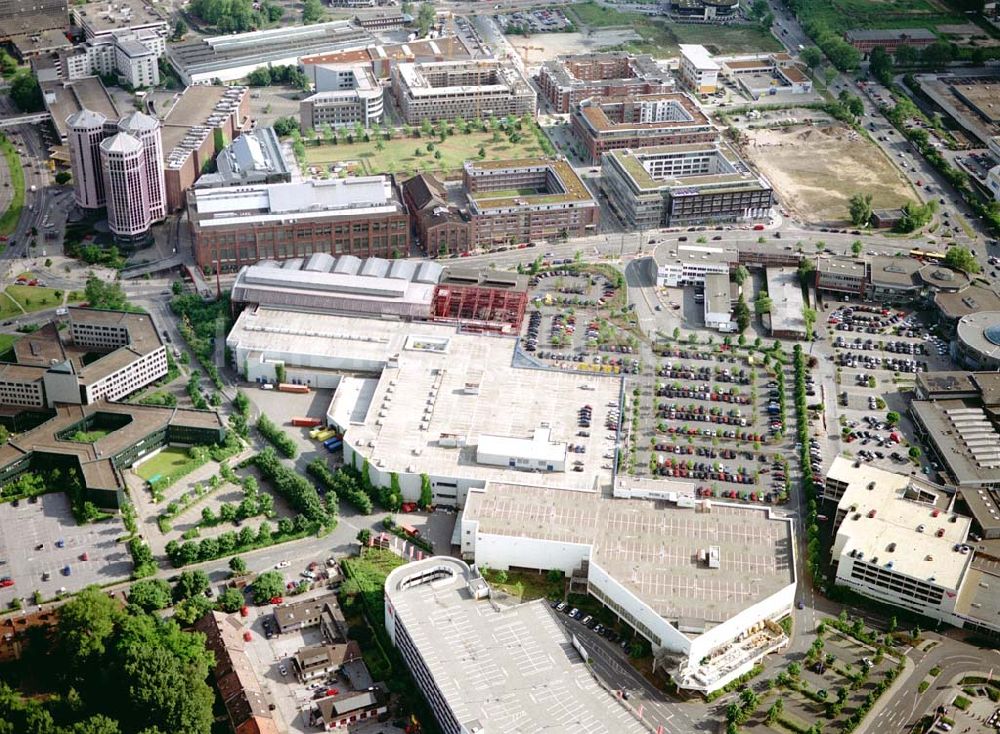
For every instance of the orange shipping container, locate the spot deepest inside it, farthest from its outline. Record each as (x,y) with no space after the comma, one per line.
(288,387)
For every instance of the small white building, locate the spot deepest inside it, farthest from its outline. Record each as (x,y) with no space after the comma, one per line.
(993,182)
(699,71)
(538,453)
(680,264)
(718,302)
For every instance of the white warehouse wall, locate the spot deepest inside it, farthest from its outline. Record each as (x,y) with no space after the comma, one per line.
(773,607)
(504,551)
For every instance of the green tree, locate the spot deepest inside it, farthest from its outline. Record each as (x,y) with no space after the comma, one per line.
(762,304)
(85,626)
(63,177)
(915,452)
(104,295)
(892,418)
(741,274)
(237,565)
(960,258)
(426,495)
(880,65)
(860,209)
(742,313)
(26,93)
(189,611)
(809,316)
(268,585)
(856,247)
(150,594)
(425,18)
(230,600)
(180,28)
(811,56)
(312,11)
(190,583)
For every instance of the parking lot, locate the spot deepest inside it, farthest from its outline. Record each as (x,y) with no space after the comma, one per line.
(541,20)
(707,415)
(573,324)
(42,548)
(877,352)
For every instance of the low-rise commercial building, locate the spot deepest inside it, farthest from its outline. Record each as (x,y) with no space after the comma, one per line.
(604,124)
(866,40)
(103,20)
(382,58)
(705,11)
(414,398)
(345,96)
(979,305)
(765,74)
(438,607)
(894,279)
(231,57)
(681,264)
(63,99)
(699,72)
(471,89)
(682,185)
(786,317)
(902,544)
(359,215)
(569,80)
(842,276)
(718,302)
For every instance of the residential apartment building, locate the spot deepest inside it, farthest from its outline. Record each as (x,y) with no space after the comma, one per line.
(683,185)
(502,212)
(699,72)
(603,124)
(301,615)
(345,96)
(471,89)
(133,57)
(358,215)
(567,81)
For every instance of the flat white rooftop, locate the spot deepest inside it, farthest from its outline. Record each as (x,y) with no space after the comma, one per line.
(657,552)
(699,56)
(352,196)
(910,528)
(511,670)
(423,415)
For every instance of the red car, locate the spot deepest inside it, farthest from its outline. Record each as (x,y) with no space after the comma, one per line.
(6,581)
(277,600)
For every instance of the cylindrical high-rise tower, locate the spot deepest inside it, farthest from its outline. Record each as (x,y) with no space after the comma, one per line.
(147,130)
(127,188)
(86,131)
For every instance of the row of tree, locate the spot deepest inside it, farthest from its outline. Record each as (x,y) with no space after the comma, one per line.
(207,549)
(280,440)
(298,491)
(344,483)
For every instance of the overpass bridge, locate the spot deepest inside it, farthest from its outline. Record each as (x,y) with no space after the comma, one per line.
(24,119)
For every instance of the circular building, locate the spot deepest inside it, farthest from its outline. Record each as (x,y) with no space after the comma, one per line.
(942,279)
(978,341)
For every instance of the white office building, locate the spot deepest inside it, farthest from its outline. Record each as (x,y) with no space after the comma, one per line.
(680,264)
(699,71)
(899,541)
(132,56)
(346,95)
(718,302)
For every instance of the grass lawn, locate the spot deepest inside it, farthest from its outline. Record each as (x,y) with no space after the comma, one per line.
(92,436)
(168,461)
(842,15)
(529,586)
(399,154)
(662,39)
(8,220)
(7,341)
(34,298)
(8,307)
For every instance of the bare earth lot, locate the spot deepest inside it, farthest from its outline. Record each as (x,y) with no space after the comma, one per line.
(815,170)
(540,47)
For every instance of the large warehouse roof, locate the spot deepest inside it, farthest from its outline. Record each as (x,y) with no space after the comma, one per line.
(343,284)
(661,555)
(500,669)
(438,391)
